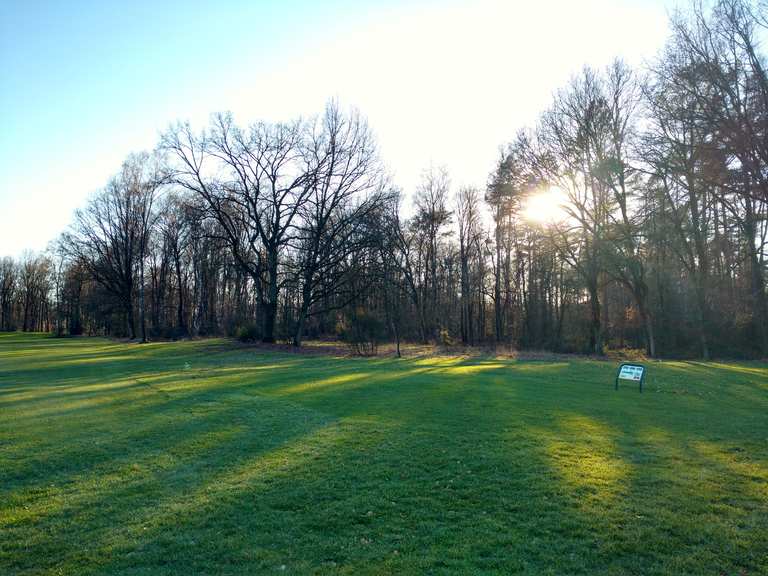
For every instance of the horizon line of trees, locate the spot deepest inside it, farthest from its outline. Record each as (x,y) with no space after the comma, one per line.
(287,231)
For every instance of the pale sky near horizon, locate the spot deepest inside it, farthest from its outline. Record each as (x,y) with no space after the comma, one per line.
(84,83)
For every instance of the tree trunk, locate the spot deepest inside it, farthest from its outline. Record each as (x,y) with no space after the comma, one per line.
(270,303)
(142,311)
(180,309)
(130,319)
(649,334)
(701,318)
(595,328)
(464,295)
(306,296)
(498,323)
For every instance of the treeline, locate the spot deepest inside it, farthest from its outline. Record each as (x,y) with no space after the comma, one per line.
(293,231)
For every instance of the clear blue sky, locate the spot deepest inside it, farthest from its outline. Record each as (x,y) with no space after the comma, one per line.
(84,83)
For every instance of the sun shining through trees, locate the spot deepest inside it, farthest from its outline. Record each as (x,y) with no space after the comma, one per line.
(546,207)
(592,230)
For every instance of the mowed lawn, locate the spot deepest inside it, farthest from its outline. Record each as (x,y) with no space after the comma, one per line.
(207,458)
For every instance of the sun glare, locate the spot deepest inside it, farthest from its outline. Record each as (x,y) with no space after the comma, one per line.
(546,207)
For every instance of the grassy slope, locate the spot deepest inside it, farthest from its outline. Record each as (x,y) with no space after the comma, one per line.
(192,458)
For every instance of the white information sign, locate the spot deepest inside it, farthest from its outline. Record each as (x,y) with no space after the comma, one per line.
(629,372)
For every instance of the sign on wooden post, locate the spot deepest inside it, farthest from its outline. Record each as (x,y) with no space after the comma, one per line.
(631,372)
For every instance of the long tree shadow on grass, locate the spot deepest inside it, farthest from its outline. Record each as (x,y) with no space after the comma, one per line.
(464,466)
(152,404)
(157,407)
(483,501)
(130,480)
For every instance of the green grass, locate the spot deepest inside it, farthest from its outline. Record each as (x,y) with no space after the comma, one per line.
(204,458)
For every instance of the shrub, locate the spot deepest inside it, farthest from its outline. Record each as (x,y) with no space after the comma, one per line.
(362,333)
(445,338)
(247,333)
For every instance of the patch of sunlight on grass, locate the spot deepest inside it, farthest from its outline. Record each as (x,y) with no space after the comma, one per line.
(248,373)
(251,475)
(90,390)
(700,366)
(59,408)
(54,350)
(655,435)
(437,362)
(96,359)
(538,367)
(333,381)
(474,368)
(279,461)
(99,482)
(741,369)
(261,368)
(584,454)
(737,461)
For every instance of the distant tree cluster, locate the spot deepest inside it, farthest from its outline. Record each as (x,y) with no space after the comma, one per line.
(26,290)
(294,231)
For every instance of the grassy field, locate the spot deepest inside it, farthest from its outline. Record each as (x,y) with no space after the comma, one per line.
(206,458)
